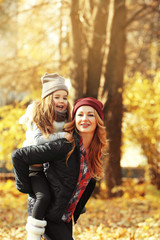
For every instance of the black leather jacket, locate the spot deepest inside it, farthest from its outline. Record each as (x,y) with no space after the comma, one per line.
(62,177)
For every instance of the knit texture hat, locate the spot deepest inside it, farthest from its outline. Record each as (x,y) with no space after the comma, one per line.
(51,83)
(89,101)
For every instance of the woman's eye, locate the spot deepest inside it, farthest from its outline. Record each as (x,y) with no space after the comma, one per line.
(65,99)
(91,115)
(80,114)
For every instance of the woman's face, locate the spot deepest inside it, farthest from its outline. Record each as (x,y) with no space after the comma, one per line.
(85,119)
(60,100)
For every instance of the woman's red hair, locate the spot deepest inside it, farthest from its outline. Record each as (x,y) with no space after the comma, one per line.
(96,147)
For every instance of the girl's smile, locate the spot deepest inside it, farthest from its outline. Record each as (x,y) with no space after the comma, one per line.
(60,100)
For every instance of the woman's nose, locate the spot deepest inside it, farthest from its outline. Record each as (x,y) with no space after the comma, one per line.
(84,117)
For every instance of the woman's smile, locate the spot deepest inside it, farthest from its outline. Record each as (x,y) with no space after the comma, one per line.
(85,125)
(60,100)
(85,119)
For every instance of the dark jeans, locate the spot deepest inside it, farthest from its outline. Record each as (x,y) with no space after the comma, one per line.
(58,231)
(41,190)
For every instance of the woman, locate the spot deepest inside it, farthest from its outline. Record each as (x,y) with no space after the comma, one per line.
(73,168)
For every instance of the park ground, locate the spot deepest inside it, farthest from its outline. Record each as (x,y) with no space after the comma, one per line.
(134,216)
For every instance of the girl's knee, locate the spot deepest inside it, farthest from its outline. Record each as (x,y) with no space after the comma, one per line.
(46,198)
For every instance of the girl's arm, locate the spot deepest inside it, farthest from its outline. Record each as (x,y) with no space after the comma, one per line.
(40,139)
(42,153)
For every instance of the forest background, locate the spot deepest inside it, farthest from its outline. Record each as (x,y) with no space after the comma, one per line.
(108,49)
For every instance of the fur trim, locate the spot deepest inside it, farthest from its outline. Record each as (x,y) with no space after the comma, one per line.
(34,230)
(36,222)
(28,116)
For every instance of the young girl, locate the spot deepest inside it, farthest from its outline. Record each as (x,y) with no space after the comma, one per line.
(45,120)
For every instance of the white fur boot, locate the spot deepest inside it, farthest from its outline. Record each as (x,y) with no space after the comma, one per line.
(35,228)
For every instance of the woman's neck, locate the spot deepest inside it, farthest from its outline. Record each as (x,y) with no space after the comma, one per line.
(87,139)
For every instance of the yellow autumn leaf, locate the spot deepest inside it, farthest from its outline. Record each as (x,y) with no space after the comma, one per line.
(146,227)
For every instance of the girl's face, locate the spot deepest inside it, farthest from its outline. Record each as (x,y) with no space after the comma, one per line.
(60,100)
(85,119)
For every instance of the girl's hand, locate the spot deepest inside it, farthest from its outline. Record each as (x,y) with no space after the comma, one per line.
(68,136)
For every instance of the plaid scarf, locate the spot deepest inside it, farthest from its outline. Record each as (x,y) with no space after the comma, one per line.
(83,180)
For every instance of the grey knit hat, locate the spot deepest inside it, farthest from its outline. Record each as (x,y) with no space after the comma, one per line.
(51,83)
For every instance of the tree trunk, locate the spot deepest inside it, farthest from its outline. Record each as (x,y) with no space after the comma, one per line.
(76,70)
(96,51)
(114,86)
(60,37)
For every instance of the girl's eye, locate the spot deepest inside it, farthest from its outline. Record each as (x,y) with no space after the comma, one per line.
(80,114)
(91,115)
(65,99)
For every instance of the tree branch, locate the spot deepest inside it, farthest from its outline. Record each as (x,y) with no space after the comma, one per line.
(136,15)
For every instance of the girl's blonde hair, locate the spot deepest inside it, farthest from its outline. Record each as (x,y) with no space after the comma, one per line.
(96,147)
(44,114)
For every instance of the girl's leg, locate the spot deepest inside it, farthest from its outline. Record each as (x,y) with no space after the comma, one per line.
(41,190)
(58,231)
(35,228)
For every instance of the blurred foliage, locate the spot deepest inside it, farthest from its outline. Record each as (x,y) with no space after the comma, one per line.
(141,123)
(36,37)
(12,134)
(130,217)
(13,213)
(30,33)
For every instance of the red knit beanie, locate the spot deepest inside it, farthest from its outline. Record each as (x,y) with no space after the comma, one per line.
(89,101)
